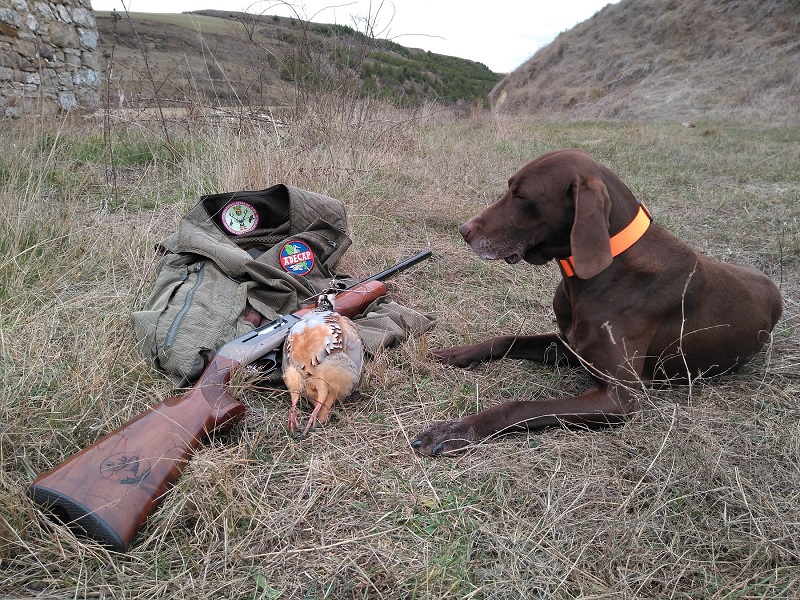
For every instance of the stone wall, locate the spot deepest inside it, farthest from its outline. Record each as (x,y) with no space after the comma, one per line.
(48,58)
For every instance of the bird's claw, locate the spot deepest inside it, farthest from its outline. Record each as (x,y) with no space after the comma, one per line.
(311,422)
(293,422)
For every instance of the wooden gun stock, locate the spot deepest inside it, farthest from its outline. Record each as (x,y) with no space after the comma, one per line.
(109,489)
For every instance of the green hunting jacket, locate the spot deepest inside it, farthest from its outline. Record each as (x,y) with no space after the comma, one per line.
(240,259)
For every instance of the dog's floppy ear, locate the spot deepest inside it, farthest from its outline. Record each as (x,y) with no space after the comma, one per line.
(591,248)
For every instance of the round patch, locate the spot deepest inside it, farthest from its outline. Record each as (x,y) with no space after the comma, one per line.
(297,258)
(239,217)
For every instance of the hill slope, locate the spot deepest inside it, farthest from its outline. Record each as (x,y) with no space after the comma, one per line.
(667,58)
(233,58)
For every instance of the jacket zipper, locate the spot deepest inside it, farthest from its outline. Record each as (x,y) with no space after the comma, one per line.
(172,332)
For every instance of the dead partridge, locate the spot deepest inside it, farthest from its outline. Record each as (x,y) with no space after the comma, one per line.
(322,360)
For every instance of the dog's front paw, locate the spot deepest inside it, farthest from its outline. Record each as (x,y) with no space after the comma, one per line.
(459,356)
(446,437)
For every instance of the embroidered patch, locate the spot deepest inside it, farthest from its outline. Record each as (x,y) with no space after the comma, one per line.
(239,217)
(297,258)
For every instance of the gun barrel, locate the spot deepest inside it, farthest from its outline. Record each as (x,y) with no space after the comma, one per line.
(401,266)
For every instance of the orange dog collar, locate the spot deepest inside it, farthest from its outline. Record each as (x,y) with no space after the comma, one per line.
(622,241)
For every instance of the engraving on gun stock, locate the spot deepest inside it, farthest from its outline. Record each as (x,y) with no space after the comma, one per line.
(125,468)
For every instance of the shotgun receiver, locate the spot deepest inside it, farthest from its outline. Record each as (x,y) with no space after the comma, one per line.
(107,490)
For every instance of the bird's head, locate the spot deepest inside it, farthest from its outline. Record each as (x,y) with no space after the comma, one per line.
(325,300)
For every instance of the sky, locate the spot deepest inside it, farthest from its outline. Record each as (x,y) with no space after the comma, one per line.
(502,34)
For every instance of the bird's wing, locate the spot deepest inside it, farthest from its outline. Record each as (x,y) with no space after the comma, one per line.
(313,338)
(352,344)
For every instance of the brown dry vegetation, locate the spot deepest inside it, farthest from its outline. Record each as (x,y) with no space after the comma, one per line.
(191,57)
(225,58)
(667,58)
(698,497)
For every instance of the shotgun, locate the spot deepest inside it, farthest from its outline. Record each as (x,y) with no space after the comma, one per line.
(108,490)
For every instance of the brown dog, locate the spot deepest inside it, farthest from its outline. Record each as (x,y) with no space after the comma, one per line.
(635,304)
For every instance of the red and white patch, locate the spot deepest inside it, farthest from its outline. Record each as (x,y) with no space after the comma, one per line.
(297,258)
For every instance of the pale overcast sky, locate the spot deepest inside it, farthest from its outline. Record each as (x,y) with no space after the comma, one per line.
(501,34)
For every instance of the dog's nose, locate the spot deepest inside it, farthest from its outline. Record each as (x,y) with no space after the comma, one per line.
(466,230)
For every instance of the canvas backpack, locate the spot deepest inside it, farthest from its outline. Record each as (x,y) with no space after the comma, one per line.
(240,259)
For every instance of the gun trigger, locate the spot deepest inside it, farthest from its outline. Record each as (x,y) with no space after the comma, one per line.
(266,364)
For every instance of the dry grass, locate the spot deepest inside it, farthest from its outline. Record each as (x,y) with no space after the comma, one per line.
(654,58)
(697,498)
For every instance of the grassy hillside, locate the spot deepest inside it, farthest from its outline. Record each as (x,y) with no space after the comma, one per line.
(233,59)
(696,498)
(667,58)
